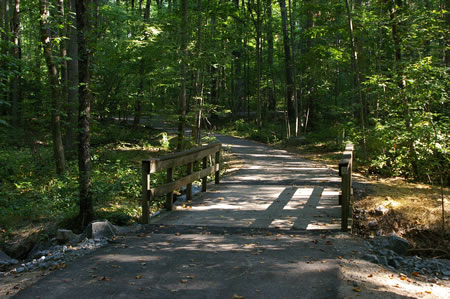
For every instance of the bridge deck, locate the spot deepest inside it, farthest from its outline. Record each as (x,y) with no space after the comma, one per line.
(274,189)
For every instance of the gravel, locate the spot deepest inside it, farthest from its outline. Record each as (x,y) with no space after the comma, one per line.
(56,256)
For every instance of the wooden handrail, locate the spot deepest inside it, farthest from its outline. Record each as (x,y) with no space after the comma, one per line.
(345,171)
(168,162)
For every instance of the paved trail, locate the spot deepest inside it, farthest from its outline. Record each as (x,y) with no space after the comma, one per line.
(267,231)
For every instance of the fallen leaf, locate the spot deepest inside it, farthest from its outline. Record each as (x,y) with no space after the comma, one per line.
(177,234)
(236,296)
(190,276)
(115,266)
(183,280)
(370,275)
(139,276)
(356,289)
(428,292)
(104,278)
(416,274)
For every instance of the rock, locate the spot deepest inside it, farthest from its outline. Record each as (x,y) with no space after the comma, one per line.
(373,224)
(98,230)
(5,260)
(67,236)
(19,246)
(20,270)
(371,258)
(380,210)
(394,262)
(397,244)
(383,260)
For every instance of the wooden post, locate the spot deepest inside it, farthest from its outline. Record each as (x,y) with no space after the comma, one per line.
(189,168)
(169,196)
(145,191)
(204,180)
(217,165)
(345,198)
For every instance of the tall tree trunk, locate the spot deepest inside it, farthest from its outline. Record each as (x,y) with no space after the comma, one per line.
(357,77)
(138,106)
(17,53)
(182,96)
(259,64)
(287,61)
(84,115)
(58,148)
(237,53)
(72,78)
(4,51)
(294,71)
(198,94)
(63,64)
(272,99)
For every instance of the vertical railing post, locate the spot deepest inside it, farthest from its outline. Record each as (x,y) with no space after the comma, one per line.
(345,198)
(204,179)
(145,190)
(189,168)
(169,196)
(217,167)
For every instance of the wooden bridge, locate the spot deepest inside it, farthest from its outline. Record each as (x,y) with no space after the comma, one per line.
(273,190)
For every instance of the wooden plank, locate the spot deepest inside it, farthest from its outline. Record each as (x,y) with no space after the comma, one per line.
(345,200)
(145,191)
(163,189)
(169,193)
(217,162)
(183,158)
(204,179)
(189,168)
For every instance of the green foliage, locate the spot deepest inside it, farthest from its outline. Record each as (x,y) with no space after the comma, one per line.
(410,137)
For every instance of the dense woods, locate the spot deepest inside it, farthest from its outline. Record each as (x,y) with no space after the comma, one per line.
(374,72)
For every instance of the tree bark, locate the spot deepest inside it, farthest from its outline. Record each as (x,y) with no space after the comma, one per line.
(287,61)
(55,88)
(272,99)
(72,78)
(294,72)
(259,64)
(357,77)
(198,94)
(182,96)
(84,115)
(17,53)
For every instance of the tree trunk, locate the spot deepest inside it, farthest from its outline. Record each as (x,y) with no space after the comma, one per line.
(357,77)
(15,82)
(287,61)
(84,115)
(58,148)
(294,72)
(259,64)
(272,99)
(198,94)
(72,78)
(182,96)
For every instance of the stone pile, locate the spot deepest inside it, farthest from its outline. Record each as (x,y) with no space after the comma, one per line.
(56,256)
(390,252)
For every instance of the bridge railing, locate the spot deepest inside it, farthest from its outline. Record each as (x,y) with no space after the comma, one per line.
(345,172)
(169,162)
